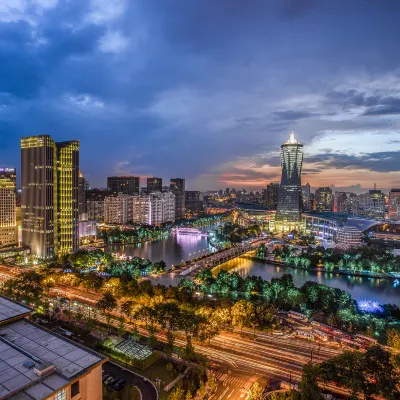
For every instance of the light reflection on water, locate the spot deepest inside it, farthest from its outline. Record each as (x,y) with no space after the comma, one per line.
(176,248)
(381,290)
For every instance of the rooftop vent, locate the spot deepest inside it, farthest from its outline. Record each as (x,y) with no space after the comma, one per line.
(28,364)
(44,369)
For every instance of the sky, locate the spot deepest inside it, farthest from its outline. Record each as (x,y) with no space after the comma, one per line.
(207,90)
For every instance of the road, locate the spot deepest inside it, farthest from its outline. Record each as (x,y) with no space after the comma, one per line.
(238,360)
(146,388)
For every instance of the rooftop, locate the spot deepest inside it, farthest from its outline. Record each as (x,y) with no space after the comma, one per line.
(26,347)
(10,310)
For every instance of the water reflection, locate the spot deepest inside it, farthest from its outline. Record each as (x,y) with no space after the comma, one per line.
(360,288)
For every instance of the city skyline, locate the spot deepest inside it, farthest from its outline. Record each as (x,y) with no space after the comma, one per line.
(150,91)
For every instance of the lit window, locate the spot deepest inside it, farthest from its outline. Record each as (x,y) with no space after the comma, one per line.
(61,395)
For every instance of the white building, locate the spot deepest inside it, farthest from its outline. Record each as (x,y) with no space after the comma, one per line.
(118,209)
(372,204)
(154,208)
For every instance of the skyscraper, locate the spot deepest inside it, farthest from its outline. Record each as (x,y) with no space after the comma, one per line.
(154,185)
(394,204)
(290,203)
(82,194)
(8,223)
(271,195)
(177,187)
(50,200)
(123,184)
(324,199)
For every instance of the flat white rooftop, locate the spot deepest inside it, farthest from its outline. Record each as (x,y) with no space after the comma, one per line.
(10,309)
(22,341)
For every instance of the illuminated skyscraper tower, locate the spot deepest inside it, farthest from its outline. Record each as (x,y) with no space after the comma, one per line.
(290,204)
(50,187)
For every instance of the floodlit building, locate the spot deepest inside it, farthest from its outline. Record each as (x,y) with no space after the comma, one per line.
(394,204)
(290,202)
(177,187)
(8,221)
(123,184)
(348,236)
(118,209)
(50,195)
(39,364)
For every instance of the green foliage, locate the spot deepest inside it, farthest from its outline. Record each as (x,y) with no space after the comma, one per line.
(368,374)
(255,391)
(309,389)
(393,338)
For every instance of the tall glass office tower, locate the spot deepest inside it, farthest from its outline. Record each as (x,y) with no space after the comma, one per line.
(290,203)
(49,209)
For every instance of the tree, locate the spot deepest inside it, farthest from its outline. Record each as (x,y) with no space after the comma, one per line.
(255,391)
(393,338)
(309,389)
(107,302)
(176,394)
(242,312)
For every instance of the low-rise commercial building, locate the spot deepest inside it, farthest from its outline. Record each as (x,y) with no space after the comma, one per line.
(38,364)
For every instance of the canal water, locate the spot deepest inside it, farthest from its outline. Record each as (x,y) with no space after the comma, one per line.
(176,248)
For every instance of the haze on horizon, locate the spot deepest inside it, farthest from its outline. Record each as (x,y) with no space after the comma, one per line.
(207,90)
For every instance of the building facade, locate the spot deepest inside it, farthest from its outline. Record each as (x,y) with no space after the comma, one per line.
(306,193)
(50,203)
(324,199)
(177,187)
(394,204)
(32,365)
(290,202)
(123,184)
(154,185)
(82,194)
(271,195)
(153,209)
(194,202)
(372,204)
(8,220)
(118,209)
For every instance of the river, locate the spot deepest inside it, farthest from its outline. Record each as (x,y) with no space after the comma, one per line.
(176,248)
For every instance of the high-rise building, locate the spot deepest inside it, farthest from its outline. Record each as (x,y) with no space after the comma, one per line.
(154,185)
(290,203)
(341,203)
(194,201)
(270,195)
(123,184)
(8,222)
(394,204)
(153,209)
(82,184)
(50,200)
(372,204)
(118,209)
(306,193)
(324,199)
(177,187)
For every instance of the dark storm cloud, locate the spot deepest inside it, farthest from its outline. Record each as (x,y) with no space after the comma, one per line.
(385,161)
(181,87)
(291,115)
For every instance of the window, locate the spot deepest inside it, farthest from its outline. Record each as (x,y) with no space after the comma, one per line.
(75,389)
(62,395)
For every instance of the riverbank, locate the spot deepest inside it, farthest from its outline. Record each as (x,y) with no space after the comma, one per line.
(363,274)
